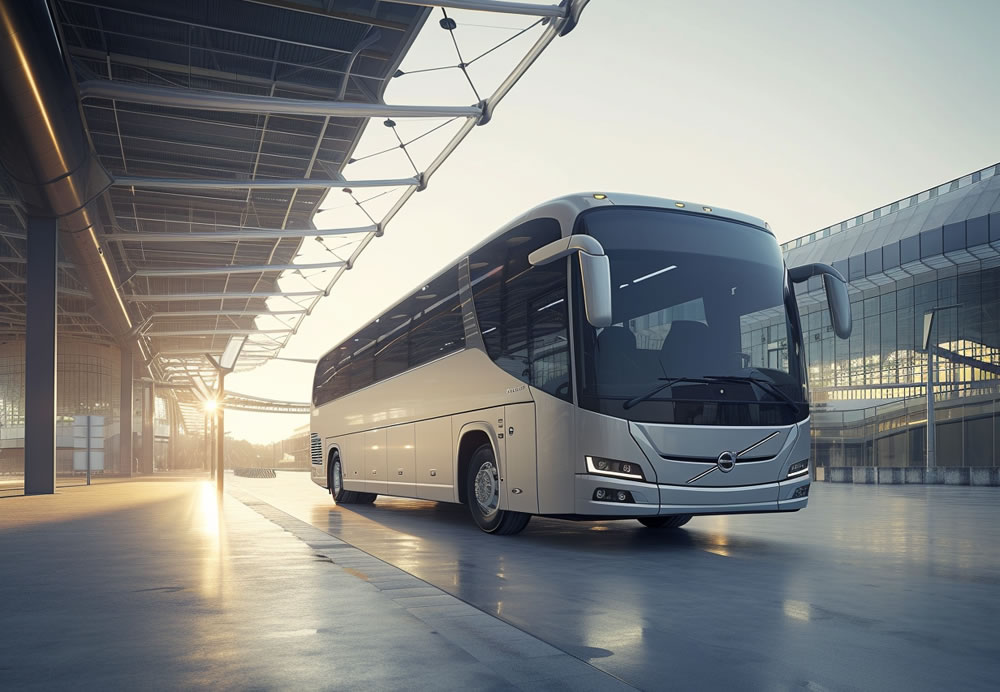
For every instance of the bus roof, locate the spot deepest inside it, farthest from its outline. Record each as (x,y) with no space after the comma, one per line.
(582,201)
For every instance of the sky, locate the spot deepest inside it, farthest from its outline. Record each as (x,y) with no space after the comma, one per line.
(802,113)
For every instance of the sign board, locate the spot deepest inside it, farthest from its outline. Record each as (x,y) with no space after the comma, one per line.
(88,439)
(928,323)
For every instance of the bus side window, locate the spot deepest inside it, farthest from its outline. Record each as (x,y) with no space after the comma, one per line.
(437,321)
(522,310)
(326,371)
(362,367)
(393,346)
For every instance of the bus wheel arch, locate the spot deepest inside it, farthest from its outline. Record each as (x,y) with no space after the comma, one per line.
(478,455)
(472,438)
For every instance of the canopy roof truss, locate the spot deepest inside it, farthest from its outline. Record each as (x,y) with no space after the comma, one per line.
(224,126)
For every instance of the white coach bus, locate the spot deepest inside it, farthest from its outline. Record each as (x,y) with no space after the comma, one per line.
(603,356)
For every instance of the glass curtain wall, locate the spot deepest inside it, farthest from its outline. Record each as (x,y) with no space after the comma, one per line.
(883,368)
(88,385)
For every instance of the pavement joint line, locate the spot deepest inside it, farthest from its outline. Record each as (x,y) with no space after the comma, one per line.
(462,639)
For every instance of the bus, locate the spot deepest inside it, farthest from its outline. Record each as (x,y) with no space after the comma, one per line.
(603,356)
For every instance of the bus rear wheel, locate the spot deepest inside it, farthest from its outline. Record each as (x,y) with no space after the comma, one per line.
(482,495)
(670,521)
(336,484)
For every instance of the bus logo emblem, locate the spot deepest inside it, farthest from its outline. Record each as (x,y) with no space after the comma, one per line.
(726,462)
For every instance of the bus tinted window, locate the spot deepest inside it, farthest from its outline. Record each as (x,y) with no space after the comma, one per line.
(362,366)
(521,309)
(423,326)
(436,329)
(392,348)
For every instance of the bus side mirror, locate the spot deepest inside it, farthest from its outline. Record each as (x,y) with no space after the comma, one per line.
(595,271)
(836,294)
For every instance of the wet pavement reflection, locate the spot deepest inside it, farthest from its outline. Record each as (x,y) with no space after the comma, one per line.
(869,588)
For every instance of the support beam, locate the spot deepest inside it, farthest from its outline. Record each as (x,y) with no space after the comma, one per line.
(126,400)
(173,354)
(216,332)
(172,97)
(224,313)
(40,359)
(333,14)
(496,6)
(171,297)
(249,234)
(236,269)
(256,184)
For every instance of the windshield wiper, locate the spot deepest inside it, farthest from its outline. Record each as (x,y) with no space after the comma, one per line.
(667,381)
(766,385)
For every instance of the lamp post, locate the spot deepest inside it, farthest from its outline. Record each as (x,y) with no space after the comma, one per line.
(223,366)
(930,347)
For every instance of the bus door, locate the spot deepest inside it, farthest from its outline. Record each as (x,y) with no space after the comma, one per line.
(520,454)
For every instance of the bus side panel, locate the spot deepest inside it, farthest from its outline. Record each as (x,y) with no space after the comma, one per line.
(521,481)
(376,462)
(352,457)
(434,454)
(556,464)
(463,381)
(402,460)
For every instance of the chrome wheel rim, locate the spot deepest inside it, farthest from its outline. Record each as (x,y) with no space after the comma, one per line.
(487,487)
(338,481)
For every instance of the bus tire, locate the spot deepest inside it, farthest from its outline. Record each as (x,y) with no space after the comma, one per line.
(482,495)
(335,482)
(669,521)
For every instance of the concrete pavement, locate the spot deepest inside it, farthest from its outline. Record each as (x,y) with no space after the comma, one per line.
(158,585)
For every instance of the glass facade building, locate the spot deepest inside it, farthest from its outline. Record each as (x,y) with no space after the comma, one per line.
(936,251)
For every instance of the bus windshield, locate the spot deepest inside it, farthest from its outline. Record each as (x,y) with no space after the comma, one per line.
(705,328)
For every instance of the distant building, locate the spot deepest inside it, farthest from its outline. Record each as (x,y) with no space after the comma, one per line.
(936,248)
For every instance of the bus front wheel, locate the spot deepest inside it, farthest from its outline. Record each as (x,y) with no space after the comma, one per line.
(482,495)
(336,485)
(670,521)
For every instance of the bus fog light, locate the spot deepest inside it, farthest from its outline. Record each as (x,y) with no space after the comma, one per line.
(798,468)
(802,491)
(609,495)
(610,467)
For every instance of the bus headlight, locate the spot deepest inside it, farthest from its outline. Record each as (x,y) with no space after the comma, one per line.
(798,468)
(610,467)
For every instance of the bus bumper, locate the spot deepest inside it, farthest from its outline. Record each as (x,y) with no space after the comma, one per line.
(651,499)
(780,496)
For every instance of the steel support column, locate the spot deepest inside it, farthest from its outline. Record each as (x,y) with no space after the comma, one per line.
(207,463)
(126,409)
(40,359)
(148,404)
(172,441)
(221,432)
(211,444)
